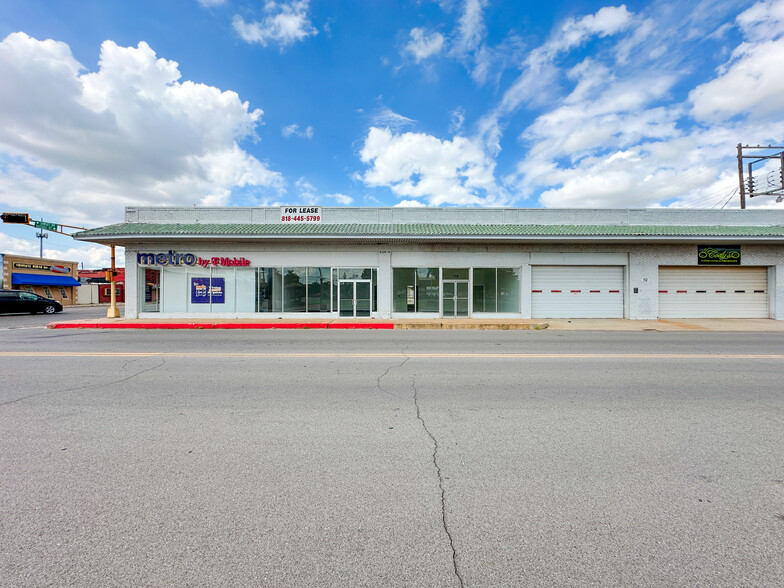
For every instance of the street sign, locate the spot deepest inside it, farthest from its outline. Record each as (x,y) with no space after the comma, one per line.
(45,225)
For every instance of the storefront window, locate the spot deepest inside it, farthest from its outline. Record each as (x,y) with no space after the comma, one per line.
(415,289)
(269,288)
(404,289)
(318,289)
(427,291)
(151,284)
(484,289)
(294,289)
(508,289)
(496,289)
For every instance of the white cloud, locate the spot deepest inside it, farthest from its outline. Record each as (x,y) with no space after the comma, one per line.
(210,3)
(410,204)
(456,119)
(416,165)
(752,84)
(294,129)
(83,145)
(385,117)
(285,24)
(618,138)
(307,191)
(423,46)
(536,84)
(763,21)
(341,198)
(471,28)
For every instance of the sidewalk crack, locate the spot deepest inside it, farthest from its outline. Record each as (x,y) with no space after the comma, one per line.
(440,475)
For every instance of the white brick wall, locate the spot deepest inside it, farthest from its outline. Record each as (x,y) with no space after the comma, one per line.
(656,216)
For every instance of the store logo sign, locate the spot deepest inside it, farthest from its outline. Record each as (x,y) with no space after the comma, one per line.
(718,255)
(176,259)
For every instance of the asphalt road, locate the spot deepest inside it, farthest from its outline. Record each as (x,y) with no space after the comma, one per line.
(395,458)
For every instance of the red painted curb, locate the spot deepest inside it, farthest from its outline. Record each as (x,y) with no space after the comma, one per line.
(361,326)
(221,325)
(269,326)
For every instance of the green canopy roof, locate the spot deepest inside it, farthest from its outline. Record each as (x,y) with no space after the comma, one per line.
(135,231)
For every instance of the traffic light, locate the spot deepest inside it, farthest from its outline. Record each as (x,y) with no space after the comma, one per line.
(21,218)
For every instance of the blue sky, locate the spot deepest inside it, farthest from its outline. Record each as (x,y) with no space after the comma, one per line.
(107,104)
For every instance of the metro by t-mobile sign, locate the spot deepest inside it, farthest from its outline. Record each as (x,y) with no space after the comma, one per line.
(176,259)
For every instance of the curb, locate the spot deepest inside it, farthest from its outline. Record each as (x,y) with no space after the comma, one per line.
(179,326)
(474,326)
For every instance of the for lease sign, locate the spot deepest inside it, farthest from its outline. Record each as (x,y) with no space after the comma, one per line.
(300,214)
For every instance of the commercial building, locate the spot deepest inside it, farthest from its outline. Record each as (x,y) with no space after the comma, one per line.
(97,278)
(450,262)
(53,278)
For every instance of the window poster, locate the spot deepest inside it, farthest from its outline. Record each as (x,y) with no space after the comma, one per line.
(208,290)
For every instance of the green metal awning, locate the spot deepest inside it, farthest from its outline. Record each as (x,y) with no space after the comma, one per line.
(136,231)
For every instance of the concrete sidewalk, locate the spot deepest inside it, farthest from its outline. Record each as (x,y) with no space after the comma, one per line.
(753,325)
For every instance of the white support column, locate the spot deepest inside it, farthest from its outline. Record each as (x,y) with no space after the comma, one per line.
(776,291)
(131,285)
(525,290)
(384,284)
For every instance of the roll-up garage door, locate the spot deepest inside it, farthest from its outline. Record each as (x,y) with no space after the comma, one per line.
(577,291)
(713,292)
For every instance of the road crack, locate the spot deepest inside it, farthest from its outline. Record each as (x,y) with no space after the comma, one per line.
(90,386)
(440,475)
(386,371)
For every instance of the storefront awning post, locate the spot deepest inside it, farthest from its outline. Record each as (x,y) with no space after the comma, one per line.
(113,312)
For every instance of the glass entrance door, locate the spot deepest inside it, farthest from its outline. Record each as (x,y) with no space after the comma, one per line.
(455,298)
(354,298)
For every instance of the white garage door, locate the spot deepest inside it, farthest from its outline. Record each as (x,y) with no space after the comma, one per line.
(569,291)
(713,292)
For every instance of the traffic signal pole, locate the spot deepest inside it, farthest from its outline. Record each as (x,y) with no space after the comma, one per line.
(22,218)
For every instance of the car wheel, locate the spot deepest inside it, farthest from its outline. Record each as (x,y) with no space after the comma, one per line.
(50,309)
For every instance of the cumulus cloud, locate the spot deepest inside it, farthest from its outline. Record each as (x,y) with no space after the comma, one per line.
(83,144)
(763,21)
(417,165)
(750,84)
(210,3)
(284,25)
(422,46)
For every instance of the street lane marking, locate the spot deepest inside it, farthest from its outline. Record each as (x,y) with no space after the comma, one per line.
(392,355)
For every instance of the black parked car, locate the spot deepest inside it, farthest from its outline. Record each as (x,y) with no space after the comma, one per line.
(19,301)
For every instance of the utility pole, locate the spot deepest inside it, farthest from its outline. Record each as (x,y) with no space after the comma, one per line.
(41,235)
(770,185)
